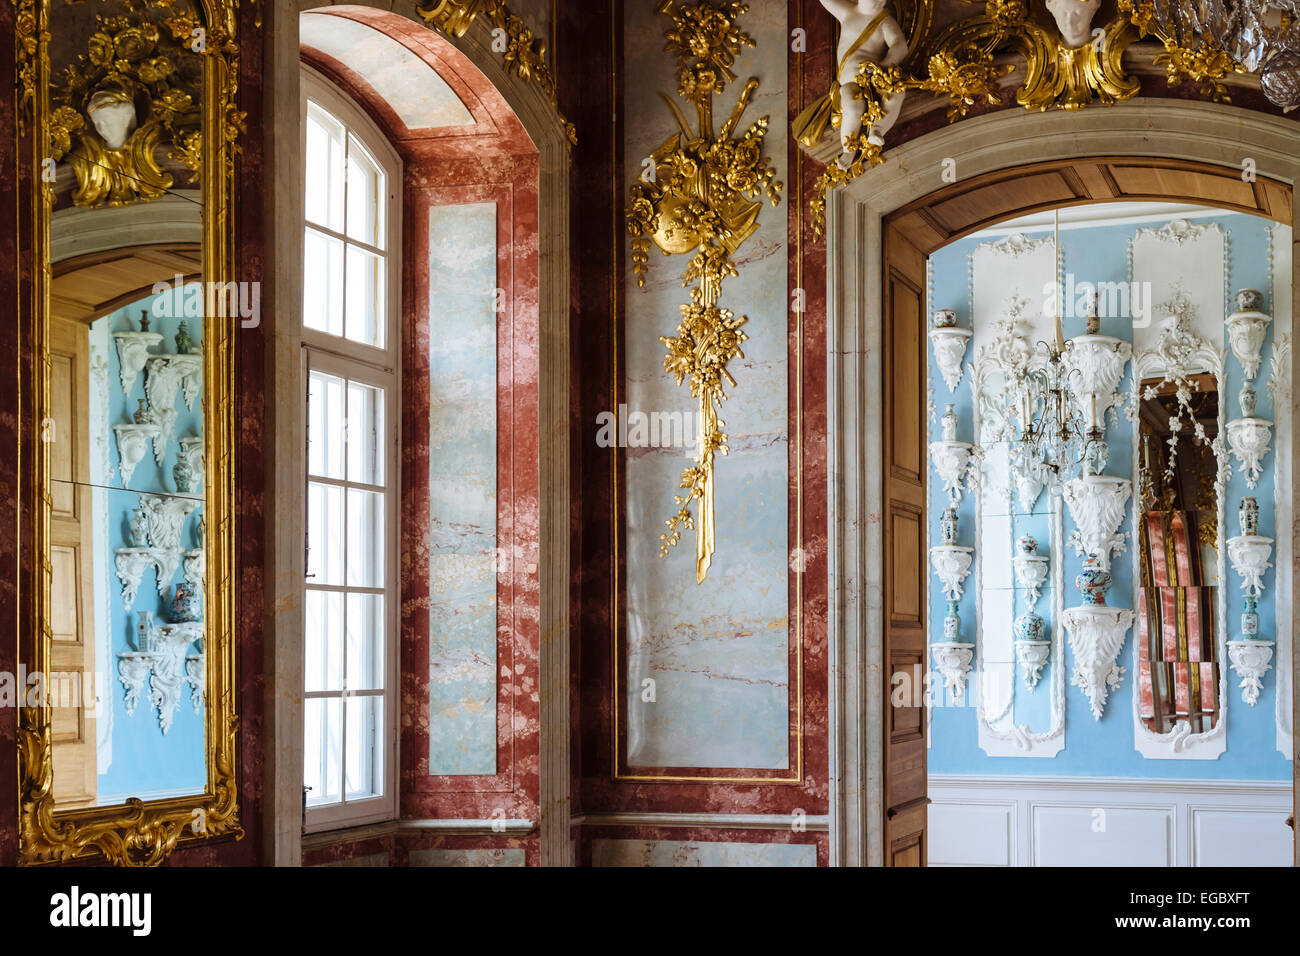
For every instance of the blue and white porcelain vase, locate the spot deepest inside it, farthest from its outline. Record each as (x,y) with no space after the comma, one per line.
(952,623)
(948,526)
(1093,581)
(1250,619)
(1028,627)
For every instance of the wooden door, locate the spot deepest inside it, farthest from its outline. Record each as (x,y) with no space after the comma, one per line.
(905,466)
(72,681)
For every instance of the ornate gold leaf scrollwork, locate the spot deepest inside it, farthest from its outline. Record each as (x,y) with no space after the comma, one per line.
(962,63)
(703,197)
(1203,66)
(524,55)
(140,61)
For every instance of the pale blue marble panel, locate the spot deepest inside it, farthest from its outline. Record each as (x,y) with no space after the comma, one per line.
(697,853)
(462,489)
(467,858)
(717,652)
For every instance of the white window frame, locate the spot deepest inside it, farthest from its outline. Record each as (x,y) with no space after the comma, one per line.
(380,367)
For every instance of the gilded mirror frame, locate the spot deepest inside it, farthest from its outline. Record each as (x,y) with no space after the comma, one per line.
(136,832)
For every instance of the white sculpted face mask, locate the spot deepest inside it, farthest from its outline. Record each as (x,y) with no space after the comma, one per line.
(1074,19)
(113,116)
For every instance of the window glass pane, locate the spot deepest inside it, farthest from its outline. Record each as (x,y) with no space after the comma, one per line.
(322,287)
(365,297)
(324,162)
(366,189)
(326,429)
(322,757)
(365,434)
(365,642)
(324,534)
(365,539)
(323,626)
(365,732)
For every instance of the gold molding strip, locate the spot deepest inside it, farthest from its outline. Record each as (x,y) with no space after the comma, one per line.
(699,194)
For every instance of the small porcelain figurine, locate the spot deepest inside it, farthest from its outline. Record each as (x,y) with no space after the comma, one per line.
(949,424)
(138,529)
(948,526)
(1248,516)
(183,474)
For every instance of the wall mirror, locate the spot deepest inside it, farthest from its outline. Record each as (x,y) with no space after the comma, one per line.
(127,731)
(1178,548)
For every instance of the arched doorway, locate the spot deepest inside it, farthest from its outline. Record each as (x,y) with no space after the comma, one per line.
(881,230)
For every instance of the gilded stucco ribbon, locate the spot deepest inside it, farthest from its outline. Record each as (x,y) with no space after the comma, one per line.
(700,194)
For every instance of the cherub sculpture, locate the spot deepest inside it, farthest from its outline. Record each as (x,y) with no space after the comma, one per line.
(868,34)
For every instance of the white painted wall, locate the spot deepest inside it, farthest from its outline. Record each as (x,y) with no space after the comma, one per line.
(1069,821)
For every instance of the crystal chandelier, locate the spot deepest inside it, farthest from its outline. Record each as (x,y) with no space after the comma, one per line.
(1051,439)
(1250,32)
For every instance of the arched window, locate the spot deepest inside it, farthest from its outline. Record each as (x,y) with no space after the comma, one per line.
(351,368)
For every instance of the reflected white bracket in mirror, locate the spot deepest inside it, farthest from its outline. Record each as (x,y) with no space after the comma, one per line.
(1249,439)
(169,669)
(165,516)
(167,374)
(132,443)
(1250,554)
(1098,504)
(949,352)
(192,453)
(952,565)
(1096,635)
(1246,331)
(1250,659)
(132,353)
(133,668)
(952,460)
(952,660)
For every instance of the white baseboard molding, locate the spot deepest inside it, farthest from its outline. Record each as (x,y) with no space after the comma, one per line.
(1107,821)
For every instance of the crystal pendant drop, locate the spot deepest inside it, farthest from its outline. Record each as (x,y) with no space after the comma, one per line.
(1280,80)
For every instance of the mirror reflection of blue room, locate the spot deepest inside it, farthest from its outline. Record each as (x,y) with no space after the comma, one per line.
(1103,747)
(136,758)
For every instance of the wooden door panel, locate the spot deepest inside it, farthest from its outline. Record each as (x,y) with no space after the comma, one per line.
(905,469)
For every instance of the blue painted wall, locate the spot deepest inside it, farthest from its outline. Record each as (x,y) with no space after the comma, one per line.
(144,759)
(1106,747)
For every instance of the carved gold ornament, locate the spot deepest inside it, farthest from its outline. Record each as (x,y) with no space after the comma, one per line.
(701,194)
(966,61)
(524,55)
(133,93)
(137,833)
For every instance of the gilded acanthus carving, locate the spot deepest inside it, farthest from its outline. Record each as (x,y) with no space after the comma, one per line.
(703,198)
(523,54)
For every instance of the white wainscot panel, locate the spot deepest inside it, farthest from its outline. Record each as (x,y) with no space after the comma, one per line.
(1107,821)
(1089,835)
(1218,837)
(971,834)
